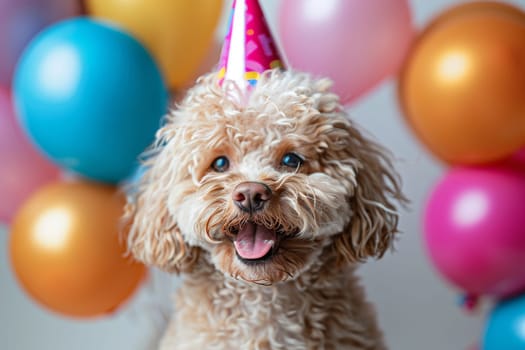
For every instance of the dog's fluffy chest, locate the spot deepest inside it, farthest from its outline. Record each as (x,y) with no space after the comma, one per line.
(229,314)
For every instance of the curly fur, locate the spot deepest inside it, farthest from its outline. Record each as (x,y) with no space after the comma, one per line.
(331,213)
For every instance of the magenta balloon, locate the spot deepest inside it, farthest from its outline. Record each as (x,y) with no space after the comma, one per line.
(20,20)
(22,168)
(356,43)
(475,229)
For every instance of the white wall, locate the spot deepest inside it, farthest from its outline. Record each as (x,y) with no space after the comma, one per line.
(416,308)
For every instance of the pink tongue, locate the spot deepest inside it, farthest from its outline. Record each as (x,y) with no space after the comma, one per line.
(254,241)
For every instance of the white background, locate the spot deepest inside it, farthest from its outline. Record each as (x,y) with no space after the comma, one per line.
(417,310)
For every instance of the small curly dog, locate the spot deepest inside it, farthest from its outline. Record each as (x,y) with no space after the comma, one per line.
(267,207)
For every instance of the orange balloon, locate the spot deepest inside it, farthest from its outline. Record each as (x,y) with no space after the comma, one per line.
(462,87)
(177,32)
(473,7)
(66,251)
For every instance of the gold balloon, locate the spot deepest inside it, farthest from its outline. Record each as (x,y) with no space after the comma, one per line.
(210,60)
(177,32)
(66,250)
(462,87)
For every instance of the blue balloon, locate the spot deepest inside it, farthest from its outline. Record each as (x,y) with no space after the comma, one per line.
(506,327)
(91,97)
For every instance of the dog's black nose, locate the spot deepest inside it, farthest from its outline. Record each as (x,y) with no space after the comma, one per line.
(251,196)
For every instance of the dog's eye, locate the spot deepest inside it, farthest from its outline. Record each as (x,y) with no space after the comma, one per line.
(292,160)
(220,164)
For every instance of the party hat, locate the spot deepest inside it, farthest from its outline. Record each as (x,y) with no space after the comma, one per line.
(249,48)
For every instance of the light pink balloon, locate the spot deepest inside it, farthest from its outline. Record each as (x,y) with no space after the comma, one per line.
(22,168)
(20,20)
(475,229)
(356,43)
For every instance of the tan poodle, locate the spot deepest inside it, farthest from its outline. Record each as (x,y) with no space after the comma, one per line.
(267,206)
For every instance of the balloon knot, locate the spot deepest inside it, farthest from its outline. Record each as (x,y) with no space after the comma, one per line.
(468,302)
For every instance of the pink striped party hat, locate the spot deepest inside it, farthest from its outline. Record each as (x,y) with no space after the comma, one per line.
(249,48)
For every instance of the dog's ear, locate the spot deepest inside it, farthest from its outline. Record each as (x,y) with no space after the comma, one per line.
(153,235)
(375,192)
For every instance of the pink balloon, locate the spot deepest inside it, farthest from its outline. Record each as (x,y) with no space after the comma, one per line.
(22,168)
(20,20)
(356,43)
(475,229)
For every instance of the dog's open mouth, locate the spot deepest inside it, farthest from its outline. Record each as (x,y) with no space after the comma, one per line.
(255,242)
